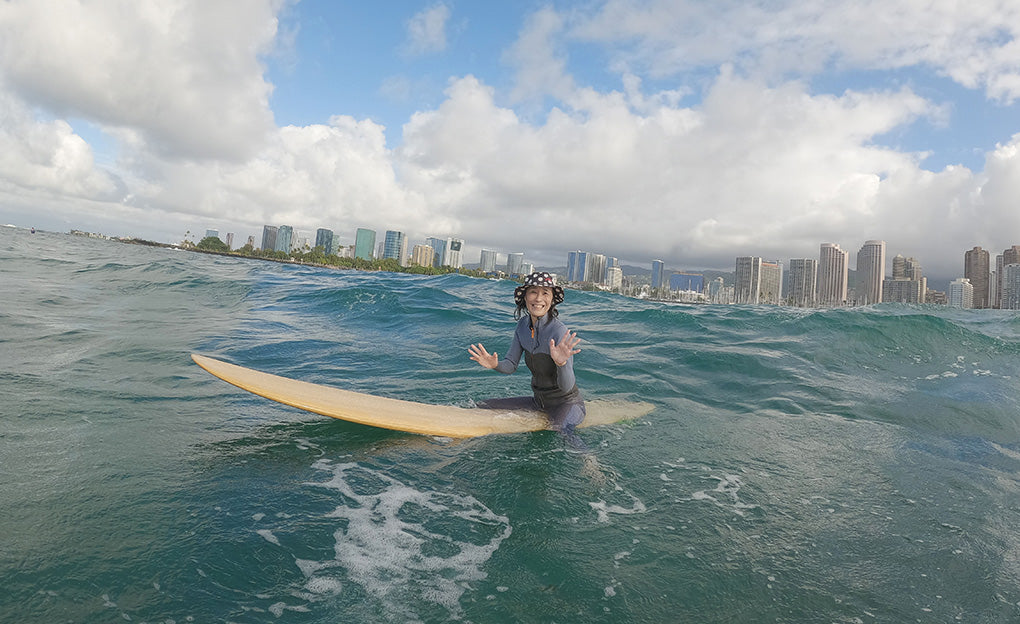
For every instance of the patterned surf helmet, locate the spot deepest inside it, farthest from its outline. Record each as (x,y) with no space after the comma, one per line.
(538,278)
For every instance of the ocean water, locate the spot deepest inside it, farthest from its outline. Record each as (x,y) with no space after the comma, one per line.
(858,465)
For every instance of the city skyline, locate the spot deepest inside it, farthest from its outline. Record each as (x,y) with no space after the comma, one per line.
(877,262)
(691,132)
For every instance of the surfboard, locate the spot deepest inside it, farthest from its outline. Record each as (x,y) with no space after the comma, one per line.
(409,416)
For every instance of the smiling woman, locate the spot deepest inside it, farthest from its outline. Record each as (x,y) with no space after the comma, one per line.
(548,349)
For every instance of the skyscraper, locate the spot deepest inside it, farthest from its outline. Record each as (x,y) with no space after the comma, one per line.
(961,293)
(908,284)
(803,278)
(487,261)
(581,266)
(1008,257)
(870,272)
(364,243)
(614,277)
(976,269)
(438,246)
(658,268)
(745,279)
(283,238)
(324,239)
(452,257)
(269,237)
(514,263)
(1011,287)
(832,275)
(582,269)
(771,290)
(423,255)
(572,257)
(758,281)
(395,246)
(597,271)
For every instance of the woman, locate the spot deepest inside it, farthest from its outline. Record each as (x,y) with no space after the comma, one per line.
(548,350)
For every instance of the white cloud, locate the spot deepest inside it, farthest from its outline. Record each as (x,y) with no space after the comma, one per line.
(975,44)
(426,31)
(184,75)
(700,184)
(339,176)
(539,59)
(45,158)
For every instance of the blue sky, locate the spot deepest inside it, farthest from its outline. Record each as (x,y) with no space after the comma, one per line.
(681,130)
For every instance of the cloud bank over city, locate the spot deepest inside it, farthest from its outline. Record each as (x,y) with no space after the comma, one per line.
(690,132)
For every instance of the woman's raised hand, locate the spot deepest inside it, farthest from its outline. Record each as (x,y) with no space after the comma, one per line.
(483,357)
(561,352)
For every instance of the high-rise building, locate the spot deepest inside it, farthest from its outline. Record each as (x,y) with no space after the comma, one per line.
(1007,257)
(746,277)
(803,279)
(269,237)
(438,246)
(212,233)
(832,276)
(324,239)
(961,293)
(771,291)
(994,296)
(395,246)
(572,259)
(658,269)
(423,255)
(614,277)
(976,269)
(597,268)
(870,272)
(579,266)
(364,244)
(453,249)
(283,239)
(758,281)
(230,240)
(1011,286)
(906,268)
(514,264)
(487,261)
(904,290)
(908,284)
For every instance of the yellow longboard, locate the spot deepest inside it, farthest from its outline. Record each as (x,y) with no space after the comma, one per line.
(438,420)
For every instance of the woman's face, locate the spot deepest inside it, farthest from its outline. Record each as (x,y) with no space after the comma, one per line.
(538,299)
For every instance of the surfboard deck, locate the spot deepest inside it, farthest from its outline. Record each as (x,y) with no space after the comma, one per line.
(409,416)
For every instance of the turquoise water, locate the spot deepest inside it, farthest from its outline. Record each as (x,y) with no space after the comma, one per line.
(856,465)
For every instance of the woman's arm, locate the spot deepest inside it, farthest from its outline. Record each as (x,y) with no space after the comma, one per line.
(491,360)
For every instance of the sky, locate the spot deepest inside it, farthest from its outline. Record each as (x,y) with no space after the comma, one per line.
(689,131)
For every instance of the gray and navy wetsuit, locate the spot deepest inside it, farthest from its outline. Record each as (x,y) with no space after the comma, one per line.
(554,387)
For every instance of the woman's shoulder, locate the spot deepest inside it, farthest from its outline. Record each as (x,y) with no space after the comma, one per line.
(556,326)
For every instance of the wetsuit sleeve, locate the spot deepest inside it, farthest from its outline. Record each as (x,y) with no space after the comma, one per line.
(513,357)
(565,375)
